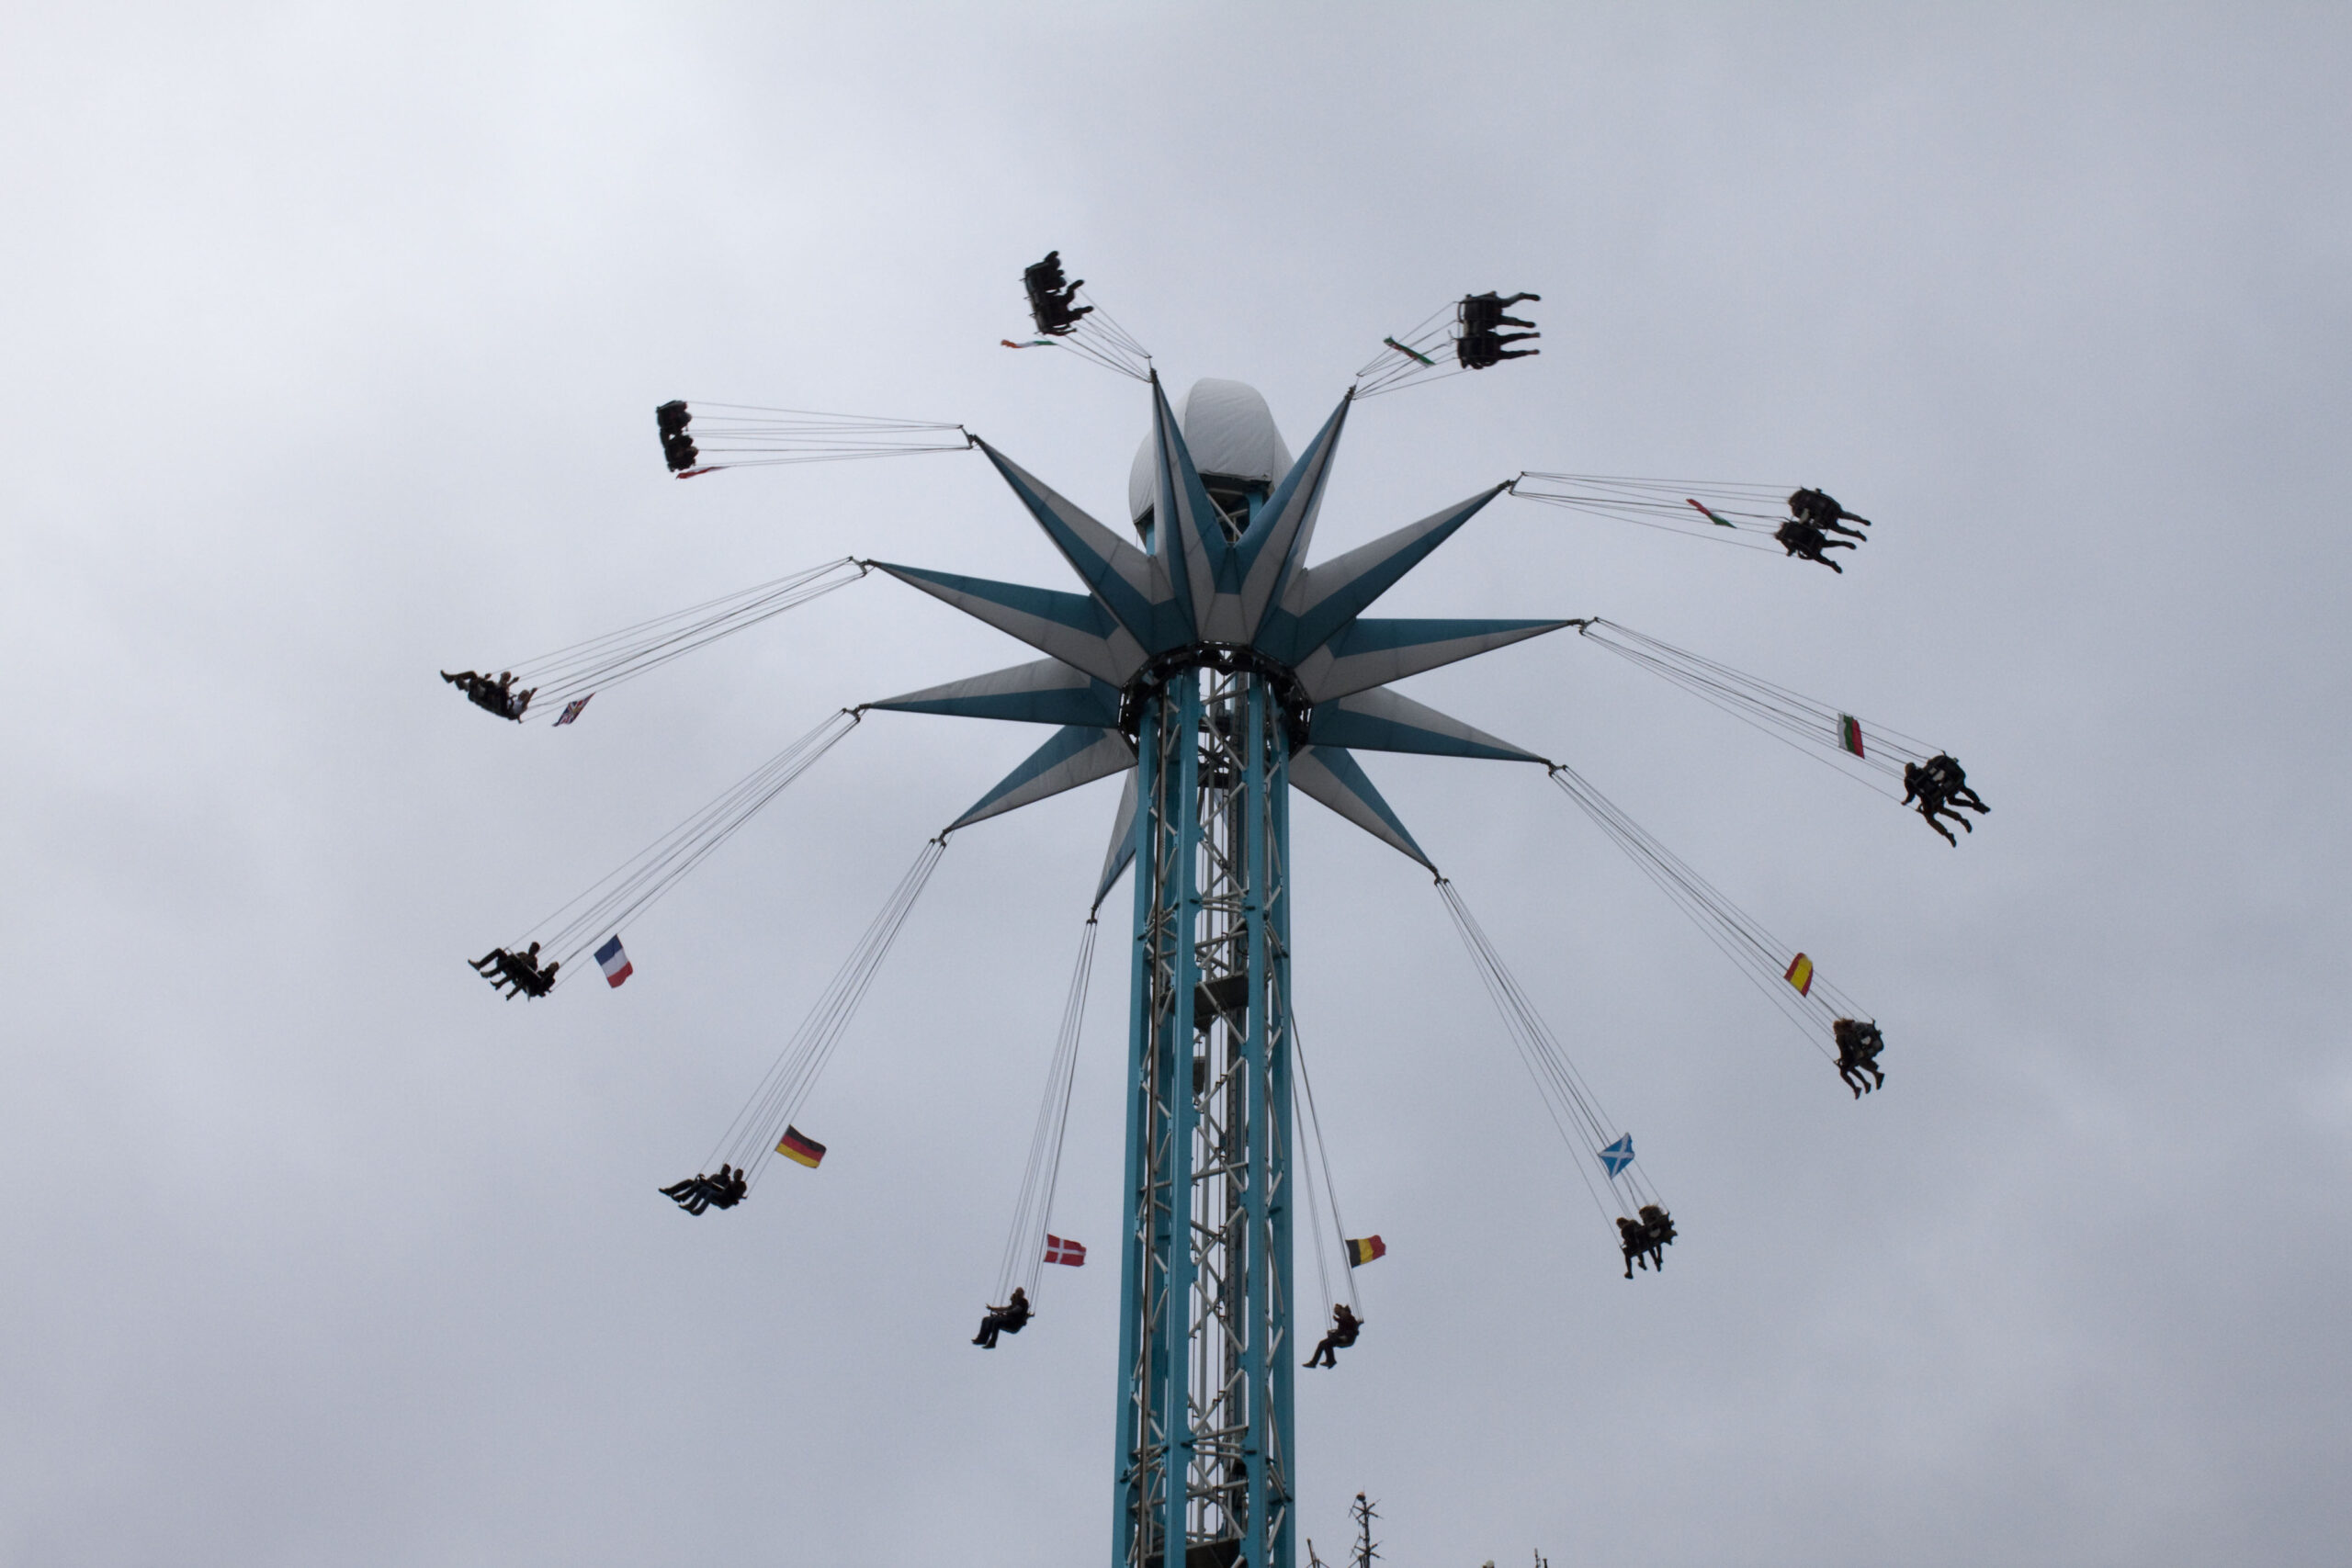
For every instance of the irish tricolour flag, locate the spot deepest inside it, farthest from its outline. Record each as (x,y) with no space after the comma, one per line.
(616,962)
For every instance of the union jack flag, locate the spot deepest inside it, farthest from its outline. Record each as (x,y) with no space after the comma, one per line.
(571,710)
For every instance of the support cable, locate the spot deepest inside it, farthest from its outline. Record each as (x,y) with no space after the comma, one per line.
(1303,1097)
(1033,1210)
(1787,715)
(1728,511)
(641,881)
(1410,359)
(751,1138)
(748,436)
(1575,1109)
(616,658)
(1764,959)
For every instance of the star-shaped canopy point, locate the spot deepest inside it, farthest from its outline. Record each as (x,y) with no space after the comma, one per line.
(1203,582)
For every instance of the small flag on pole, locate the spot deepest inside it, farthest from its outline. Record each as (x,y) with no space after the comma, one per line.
(1032,342)
(1717,518)
(1409,354)
(571,710)
(1363,1252)
(1070,1252)
(1800,975)
(1618,1156)
(616,962)
(799,1146)
(1849,733)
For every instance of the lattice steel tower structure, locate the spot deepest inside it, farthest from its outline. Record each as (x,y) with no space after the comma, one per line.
(1221,672)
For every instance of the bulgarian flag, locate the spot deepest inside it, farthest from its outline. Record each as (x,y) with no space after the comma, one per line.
(1057,1250)
(799,1148)
(1409,354)
(1800,975)
(1849,733)
(1363,1252)
(1717,518)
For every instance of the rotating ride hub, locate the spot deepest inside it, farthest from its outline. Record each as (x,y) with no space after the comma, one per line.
(1218,670)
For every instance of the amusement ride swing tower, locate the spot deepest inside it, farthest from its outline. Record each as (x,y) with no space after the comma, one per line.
(1218,672)
(1224,673)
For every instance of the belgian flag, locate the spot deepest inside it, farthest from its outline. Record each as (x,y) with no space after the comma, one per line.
(798,1146)
(1363,1251)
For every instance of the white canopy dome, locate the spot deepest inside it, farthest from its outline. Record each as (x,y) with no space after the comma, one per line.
(1230,433)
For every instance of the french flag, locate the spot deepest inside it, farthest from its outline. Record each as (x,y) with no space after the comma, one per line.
(616,965)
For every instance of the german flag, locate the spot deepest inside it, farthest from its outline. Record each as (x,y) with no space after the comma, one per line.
(1849,733)
(1363,1252)
(1800,975)
(798,1146)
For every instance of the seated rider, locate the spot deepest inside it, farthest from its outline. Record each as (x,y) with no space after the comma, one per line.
(699,1192)
(1345,1327)
(1480,351)
(1925,786)
(503,968)
(1859,1043)
(1952,781)
(1820,508)
(535,982)
(1644,1240)
(1009,1318)
(1800,538)
(1484,312)
(1052,301)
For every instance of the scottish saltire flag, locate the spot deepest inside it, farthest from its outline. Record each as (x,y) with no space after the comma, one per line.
(1800,975)
(800,1148)
(1717,518)
(1060,1251)
(1618,1156)
(571,710)
(616,962)
(1849,733)
(1363,1251)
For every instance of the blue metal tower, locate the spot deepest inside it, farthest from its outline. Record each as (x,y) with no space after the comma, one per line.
(1220,672)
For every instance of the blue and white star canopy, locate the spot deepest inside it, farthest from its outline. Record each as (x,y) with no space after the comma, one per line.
(1229,578)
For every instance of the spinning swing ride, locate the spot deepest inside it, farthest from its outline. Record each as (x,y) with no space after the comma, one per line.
(1216,672)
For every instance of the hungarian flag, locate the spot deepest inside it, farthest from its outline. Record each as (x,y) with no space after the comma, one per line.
(1800,975)
(571,710)
(1059,1251)
(798,1145)
(616,965)
(1363,1252)
(1849,733)
(1717,518)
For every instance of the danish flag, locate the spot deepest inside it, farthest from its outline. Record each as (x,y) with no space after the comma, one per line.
(1059,1251)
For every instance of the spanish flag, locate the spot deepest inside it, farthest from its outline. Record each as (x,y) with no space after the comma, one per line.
(1800,975)
(1363,1252)
(798,1146)
(1849,733)
(1717,518)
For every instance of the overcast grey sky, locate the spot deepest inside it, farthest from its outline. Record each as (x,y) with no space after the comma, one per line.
(331,335)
